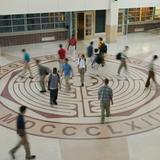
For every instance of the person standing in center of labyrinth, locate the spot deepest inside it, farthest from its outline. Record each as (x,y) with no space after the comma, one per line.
(68,73)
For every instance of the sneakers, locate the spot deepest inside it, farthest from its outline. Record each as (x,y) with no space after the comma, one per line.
(31,157)
(30,77)
(21,76)
(42,91)
(12,154)
(55,103)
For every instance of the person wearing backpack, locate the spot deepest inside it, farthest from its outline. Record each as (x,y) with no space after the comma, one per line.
(82,67)
(90,54)
(123,59)
(53,85)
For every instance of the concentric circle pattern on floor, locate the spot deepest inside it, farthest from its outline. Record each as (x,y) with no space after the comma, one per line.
(77,115)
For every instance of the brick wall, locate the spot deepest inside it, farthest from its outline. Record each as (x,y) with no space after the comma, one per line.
(31,38)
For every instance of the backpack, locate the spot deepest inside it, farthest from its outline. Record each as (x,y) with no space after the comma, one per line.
(118,56)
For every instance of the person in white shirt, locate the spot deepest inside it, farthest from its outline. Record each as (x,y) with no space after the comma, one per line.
(123,60)
(82,67)
(151,74)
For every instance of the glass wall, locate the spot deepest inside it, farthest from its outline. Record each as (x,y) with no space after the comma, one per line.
(30,22)
(157,13)
(143,14)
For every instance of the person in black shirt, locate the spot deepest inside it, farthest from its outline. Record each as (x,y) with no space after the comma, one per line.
(43,72)
(22,134)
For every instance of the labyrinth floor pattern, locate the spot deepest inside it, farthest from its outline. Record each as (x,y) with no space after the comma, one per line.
(77,115)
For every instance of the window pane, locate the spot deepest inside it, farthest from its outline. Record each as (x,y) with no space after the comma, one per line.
(33,21)
(18,28)
(59,25)
(18,16)
(44,14)
(18,22)
(47,26)
(33,27)
(45,20)
(5,17)
(33,15)
(5,22)
(5,29)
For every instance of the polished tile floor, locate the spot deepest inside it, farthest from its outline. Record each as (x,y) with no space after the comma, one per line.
(72,130)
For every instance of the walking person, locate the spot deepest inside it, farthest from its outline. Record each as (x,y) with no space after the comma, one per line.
(22,134)
(61,57)
(90,54)
(124,58)
(26,59)
(82,67)
(72,45)
(151,74)
(68,73)
(105,96)
(43,72)
(53,85)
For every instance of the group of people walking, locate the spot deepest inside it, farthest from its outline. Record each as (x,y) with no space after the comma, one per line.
(94,55)
(105,93)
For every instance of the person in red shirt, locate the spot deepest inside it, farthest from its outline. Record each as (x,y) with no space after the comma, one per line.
(72,44)
(61,56)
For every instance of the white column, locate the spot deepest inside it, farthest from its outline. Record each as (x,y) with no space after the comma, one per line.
(112,21)
(70,26)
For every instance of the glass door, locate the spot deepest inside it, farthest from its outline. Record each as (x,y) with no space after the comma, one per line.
(89,25)
(120,29)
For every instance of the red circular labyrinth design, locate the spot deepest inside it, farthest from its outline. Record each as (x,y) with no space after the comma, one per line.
(77,115)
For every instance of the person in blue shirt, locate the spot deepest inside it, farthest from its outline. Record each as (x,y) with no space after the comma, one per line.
(68,73)
(90,54)
(22,134)
(26,59)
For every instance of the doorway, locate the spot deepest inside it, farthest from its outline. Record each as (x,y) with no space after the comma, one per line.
(120,29)
(89,25)
(80,26)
